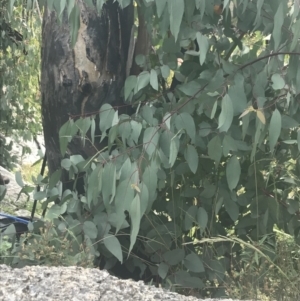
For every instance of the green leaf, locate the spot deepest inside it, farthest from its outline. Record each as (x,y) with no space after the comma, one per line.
(150,140)
(174,257)
(150,179)
(163,268)
(202,219)
(209,191)
(215,149)
(99,5)
(233,172)
(278,22)
(184,121)
(63,6)
(66,164)
(136,130)
(296,35)
(190,217)
(191,88)
(174,147)
(278,81)
(113,246)
(19,179)
(109,183)
(229,144)
(203,46)
(39,195)
(288,122)
(165,71)
(153,79)
(55,177)
(274,129)
(130,84)
(124,195)
(71,4)
(140,59)
(176,10)
(90,229)
(238,96)
(160,6)
(193,263)
(191,156)
(83,124)
(143,80)
(135,216)
(53,212)
(66,133)
(74,21)
(147,114)
(94,184)
(226,116)
(93,128)
(107,114)
(144,197)
(231,208)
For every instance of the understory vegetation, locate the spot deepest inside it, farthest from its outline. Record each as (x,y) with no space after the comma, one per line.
(196,188)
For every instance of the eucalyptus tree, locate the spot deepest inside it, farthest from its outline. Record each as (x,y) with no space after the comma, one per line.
(174,181)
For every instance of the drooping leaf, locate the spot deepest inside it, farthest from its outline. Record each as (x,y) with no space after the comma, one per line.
(130,84)
(274,129)
(160,6)
(215,149)
(176,10)
(191,156)
(143,80)
(163,268)
(109,183)
(150,140)
(203,46)
(150,179)
(184,121)
(278,22)
(231,208)
(19,179)
(202,218)
(74,21)
(153,80)
(113,246)
(226,116)
(135,216)
(260,115)
(174,147)
(190,217)
(107,114)
(233,172)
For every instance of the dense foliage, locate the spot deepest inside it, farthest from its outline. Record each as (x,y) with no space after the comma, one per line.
(19,80)
(201,170)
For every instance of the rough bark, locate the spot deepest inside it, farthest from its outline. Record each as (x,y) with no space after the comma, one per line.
(76,82)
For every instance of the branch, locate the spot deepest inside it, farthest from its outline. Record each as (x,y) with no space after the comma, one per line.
(267,56)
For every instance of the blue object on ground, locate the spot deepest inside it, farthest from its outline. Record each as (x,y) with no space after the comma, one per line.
(15,218)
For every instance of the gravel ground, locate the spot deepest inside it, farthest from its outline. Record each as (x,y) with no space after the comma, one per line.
(36,283)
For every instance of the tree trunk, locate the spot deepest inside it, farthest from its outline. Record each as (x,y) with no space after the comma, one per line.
(77,82)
